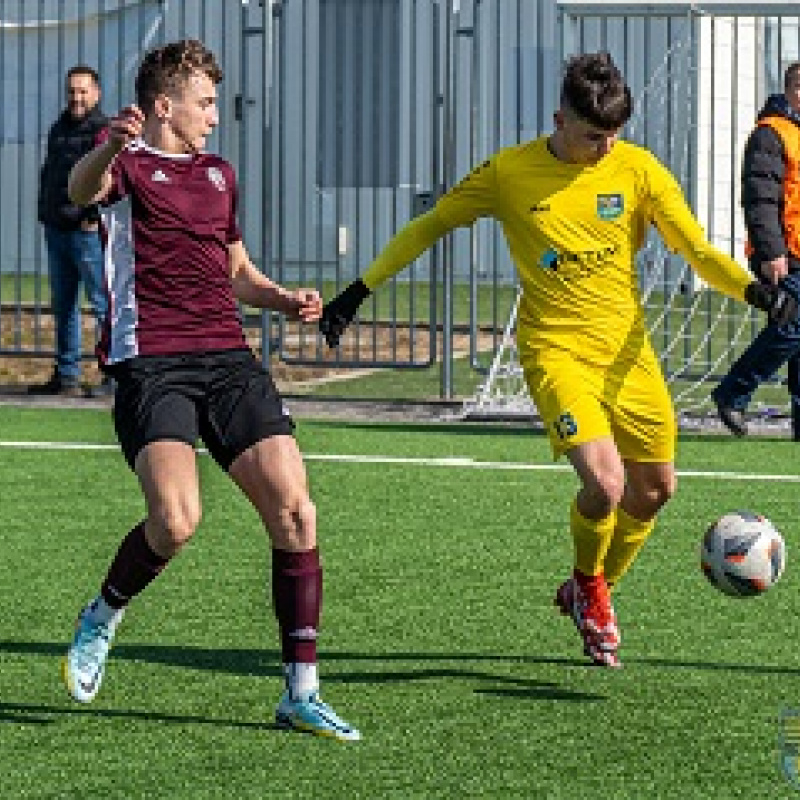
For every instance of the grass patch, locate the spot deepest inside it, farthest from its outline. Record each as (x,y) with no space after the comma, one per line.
(439,639)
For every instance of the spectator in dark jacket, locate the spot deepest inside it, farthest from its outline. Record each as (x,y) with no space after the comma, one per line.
(771,202)
(72,234)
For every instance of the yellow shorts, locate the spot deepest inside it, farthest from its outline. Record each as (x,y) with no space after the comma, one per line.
(580,402)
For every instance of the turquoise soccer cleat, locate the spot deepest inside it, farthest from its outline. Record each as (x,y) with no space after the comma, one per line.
(310,715)
(83,666)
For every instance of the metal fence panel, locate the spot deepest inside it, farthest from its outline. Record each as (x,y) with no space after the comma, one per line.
(354,122)
(382,105)
(39,41)
(346,118)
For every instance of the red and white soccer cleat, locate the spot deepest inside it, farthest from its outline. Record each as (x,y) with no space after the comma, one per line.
(587,601)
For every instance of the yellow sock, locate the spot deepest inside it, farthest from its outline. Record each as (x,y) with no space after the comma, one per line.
(629,536)
(592,537)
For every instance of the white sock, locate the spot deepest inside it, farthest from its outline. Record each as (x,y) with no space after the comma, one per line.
(103,613)
(301,679)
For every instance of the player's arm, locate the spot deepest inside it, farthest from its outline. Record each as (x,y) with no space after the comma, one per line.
(472,198)
(90,179)
(683,234)
(253,288)
(407,245)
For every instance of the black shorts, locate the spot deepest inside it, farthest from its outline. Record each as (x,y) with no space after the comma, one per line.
(227,399)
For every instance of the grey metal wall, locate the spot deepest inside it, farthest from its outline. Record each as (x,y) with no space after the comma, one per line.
(397,98)
(39,41)
(387,102)
(345,118)
(379,107)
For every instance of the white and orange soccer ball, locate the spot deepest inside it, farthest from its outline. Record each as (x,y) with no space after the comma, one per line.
(742,554)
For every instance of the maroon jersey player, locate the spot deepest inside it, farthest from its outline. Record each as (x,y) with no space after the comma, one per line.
(175,267)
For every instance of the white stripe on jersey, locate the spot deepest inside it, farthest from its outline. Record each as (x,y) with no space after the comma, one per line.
(120,265)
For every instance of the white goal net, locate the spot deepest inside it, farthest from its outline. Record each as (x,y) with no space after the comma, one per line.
(703,74)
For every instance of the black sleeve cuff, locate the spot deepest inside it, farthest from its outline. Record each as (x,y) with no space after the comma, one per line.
(360,291)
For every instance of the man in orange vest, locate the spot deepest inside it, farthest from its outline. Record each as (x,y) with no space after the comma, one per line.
(771,203)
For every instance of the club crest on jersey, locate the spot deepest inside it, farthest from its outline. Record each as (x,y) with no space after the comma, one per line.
(610,206)
(566,426)
(217,178)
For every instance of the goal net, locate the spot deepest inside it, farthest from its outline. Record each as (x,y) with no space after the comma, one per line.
(700,73)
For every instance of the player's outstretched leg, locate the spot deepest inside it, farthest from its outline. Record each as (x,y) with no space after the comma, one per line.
(83,666)
(587,601)
(305,711)
(134,566)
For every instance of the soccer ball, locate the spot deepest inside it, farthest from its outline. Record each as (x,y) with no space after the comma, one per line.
(742,554)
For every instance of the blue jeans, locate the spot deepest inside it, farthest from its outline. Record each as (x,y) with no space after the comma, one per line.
(74,257)
(775,346)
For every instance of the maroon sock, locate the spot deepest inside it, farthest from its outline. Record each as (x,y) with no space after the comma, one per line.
(297,598)
(134,566)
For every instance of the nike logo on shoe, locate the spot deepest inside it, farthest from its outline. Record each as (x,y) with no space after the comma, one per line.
(89,686)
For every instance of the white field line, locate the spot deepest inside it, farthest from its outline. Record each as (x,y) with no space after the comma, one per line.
(463,462)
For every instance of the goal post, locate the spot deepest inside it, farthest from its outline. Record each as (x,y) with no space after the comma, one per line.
(699,72)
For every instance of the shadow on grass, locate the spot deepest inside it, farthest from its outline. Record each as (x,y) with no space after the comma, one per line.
(539,692)
(525,689)
(705,666)
(11,713)
(30,713)
(266,663)
(263,663)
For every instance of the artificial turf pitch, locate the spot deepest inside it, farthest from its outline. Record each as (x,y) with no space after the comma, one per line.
(439,638)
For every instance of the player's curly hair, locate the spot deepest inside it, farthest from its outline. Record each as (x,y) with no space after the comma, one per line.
(165,69)
(595,90)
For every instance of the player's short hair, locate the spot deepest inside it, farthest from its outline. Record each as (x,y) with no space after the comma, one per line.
(595,90)
(83,69)
(791,74)
(166,69)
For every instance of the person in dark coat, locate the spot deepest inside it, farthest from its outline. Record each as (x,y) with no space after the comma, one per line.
(72,234)
(771,202)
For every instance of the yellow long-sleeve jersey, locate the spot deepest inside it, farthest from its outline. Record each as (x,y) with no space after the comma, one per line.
(573,231)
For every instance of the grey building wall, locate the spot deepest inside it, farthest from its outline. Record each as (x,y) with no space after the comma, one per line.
(374,105)
(385,99)
(41,39)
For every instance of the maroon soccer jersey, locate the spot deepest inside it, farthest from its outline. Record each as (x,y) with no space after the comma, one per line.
(169,220)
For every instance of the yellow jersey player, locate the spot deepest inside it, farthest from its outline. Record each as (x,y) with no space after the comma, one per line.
(575,207)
